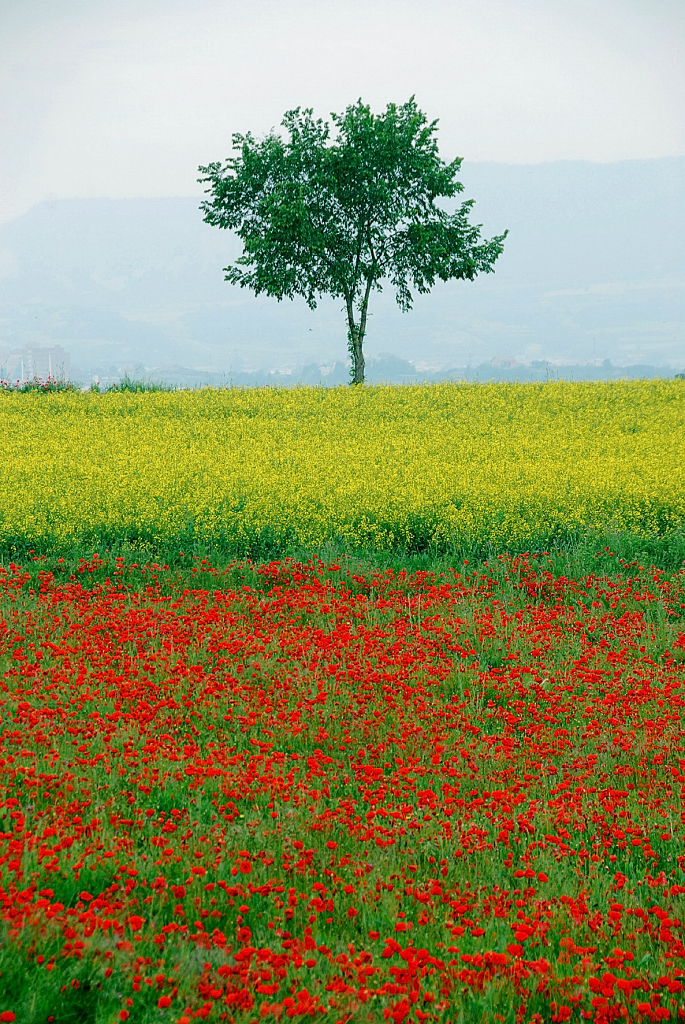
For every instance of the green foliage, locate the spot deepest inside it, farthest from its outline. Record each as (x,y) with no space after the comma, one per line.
(577,555)
(52,384)
(128,384)
(320,216)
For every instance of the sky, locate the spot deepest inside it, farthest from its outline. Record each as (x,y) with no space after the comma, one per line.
(125,98)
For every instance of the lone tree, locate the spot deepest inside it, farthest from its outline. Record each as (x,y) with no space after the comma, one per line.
(320,216)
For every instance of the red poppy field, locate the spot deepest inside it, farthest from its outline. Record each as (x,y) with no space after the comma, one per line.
(299,791)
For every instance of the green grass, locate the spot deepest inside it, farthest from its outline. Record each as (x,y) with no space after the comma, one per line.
(134,385)
(573,556)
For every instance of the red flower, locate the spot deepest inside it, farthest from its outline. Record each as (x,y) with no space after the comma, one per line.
(379,765)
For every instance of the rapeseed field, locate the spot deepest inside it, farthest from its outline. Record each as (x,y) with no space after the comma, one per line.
(374,466)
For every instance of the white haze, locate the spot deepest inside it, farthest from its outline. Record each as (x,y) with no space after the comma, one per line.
(124,98)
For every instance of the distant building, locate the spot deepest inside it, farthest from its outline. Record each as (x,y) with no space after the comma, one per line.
(34,361)
(504,362)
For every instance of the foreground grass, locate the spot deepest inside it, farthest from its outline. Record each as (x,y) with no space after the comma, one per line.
(328,789)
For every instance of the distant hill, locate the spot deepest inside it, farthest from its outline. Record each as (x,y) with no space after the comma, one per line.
(389,369)
(593,269)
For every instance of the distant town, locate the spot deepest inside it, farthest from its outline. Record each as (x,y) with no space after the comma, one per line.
(35,361)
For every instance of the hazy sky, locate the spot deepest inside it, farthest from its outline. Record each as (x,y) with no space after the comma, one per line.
(125,98)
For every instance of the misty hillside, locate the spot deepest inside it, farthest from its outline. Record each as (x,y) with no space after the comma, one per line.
(593,269)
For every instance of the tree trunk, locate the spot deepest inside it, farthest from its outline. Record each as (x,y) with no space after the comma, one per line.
(357,353)
(355,344)
(356,335)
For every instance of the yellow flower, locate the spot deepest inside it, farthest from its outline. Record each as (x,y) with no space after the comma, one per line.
(373,465)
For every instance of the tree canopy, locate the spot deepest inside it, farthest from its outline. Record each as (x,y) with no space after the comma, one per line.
(321,215)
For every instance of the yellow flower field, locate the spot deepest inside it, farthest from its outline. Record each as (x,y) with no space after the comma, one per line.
(374,465)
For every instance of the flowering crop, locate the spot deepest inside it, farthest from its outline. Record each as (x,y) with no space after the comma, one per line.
(341,796)
(380,466)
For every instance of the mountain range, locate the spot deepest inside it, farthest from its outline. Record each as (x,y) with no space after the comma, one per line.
(593,269)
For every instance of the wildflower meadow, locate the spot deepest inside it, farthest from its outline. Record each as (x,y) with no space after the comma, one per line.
(350,706)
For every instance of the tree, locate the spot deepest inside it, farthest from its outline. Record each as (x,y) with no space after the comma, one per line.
(320,216)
